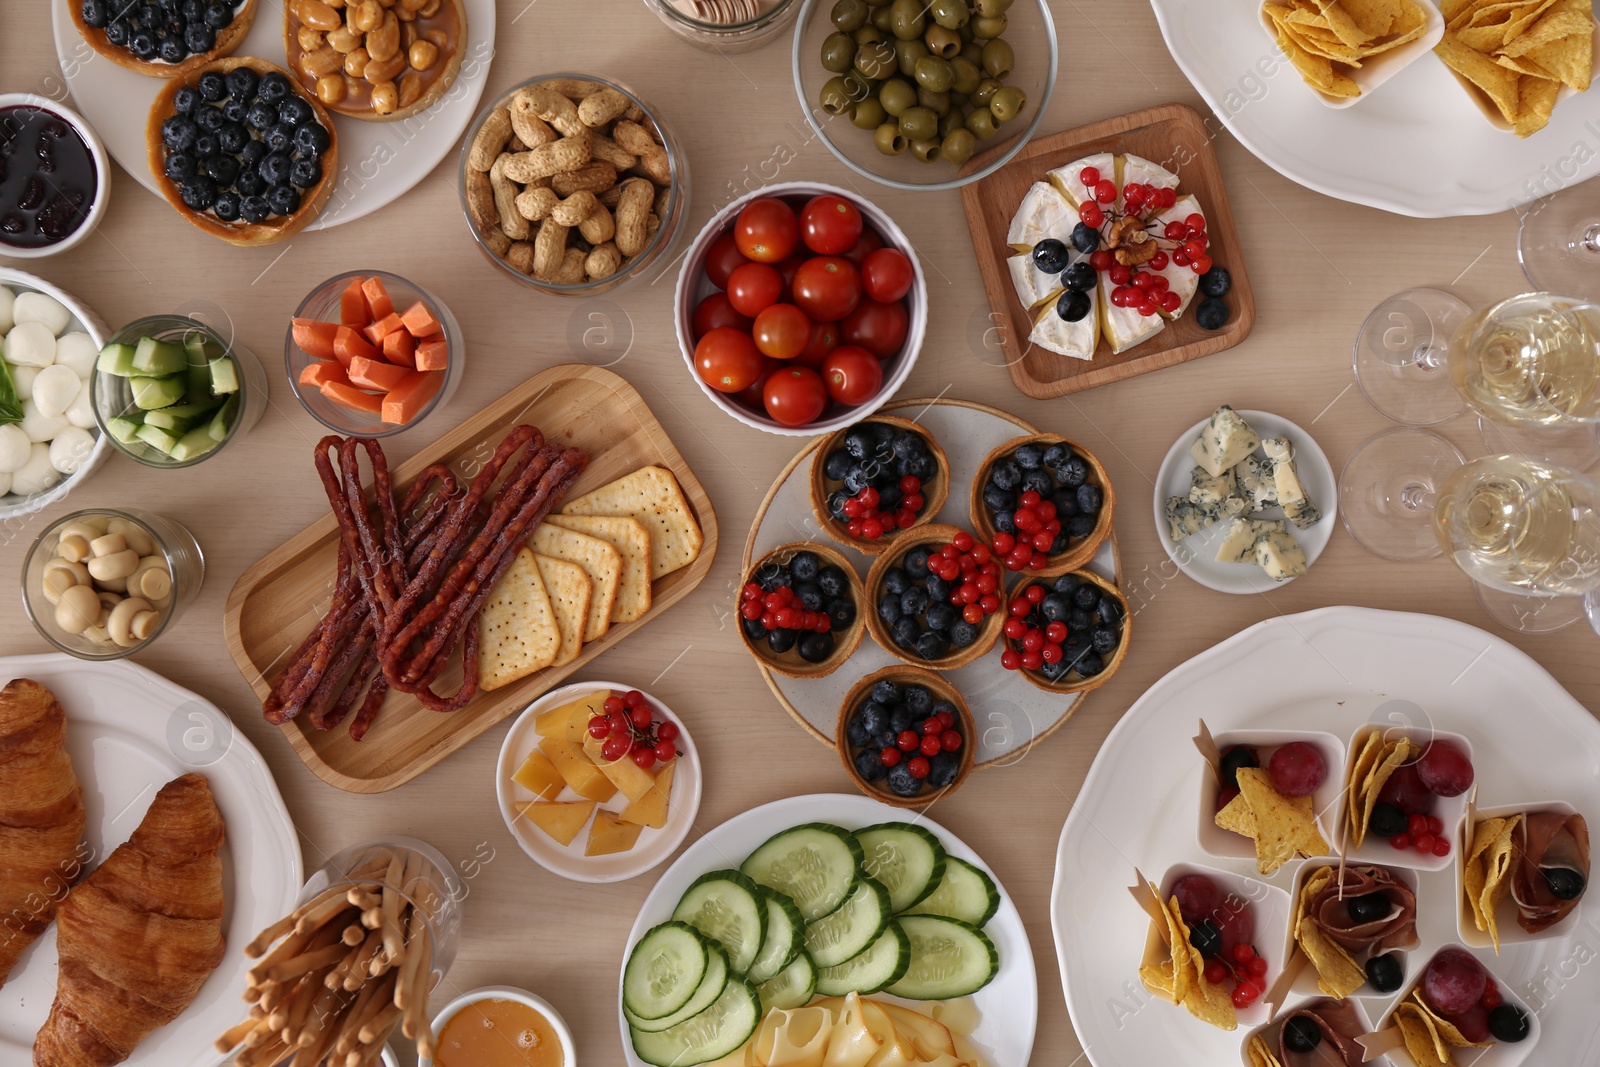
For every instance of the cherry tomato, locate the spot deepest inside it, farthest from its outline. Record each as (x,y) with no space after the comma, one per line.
(721,259)
(853,375)
(727,360)
(830,225)
(824,339)
(879,328)
(886,275)
(787,270)
(795,395)
(781,331)
(753,287)
(827,288)
(754,395)
(870,242)
(714,311)
(767,230)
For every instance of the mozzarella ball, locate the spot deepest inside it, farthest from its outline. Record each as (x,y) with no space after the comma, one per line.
(30,344)
(36,475)
(22,378)
(7,297)
(77,351)
(39,426)
(5,483)
(45,310)
(54,390)
(81,411)
(14,446)
(70,449)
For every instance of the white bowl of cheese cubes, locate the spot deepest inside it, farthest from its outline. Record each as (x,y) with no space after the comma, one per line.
(50,343)
(1245,501)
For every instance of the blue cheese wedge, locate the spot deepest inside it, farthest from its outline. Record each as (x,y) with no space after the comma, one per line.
(1042,213)
(1124,327)
(1256,485)
(1291,494)
(1280,556)
(1075,339)
(1239,541)
(1186,518)
(1066,178)
(1205,488)
(1225,440)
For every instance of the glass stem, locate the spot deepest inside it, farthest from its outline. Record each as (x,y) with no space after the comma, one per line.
(1416,497)
(1590,241)
(1428,356)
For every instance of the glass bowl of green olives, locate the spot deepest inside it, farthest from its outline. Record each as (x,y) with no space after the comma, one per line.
(924,94)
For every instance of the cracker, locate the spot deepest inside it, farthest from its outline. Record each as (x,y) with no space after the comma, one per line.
(601,562)
(632,542)
(517,631)
(570,590)
(651,495)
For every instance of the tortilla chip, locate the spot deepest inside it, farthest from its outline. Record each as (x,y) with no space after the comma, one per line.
(1259,1054)
(1338,974)
(651,495)
(632,542)
(1446,1035)
(1283,826)
(1235,815)
(1317,71)
(1555,26)
(1355,801)
(517,631)
(570,590)
(601,562)
(1364,794)
(1416,1030)
(1486,874)
(1208,1002)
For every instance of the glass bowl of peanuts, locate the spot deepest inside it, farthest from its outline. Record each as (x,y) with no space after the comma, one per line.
(726,25)
(572,185)
(103,583)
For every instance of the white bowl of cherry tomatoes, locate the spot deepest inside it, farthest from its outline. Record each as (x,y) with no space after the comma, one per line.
(800,309)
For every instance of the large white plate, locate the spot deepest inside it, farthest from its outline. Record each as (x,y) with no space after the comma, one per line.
(1008,1006)
(1330,670)
(130,732)
(1419,146)
(379,162)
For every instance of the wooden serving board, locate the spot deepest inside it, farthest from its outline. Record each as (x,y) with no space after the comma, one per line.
(1172,135)
(277,601)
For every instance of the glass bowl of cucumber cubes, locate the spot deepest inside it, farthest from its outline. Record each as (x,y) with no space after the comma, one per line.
(171,391)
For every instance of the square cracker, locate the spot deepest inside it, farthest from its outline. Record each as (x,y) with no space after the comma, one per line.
(632,542)
(601,562)
(517,631)
(570,591)
(651,495)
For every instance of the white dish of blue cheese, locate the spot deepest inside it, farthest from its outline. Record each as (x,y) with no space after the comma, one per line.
(1245,501)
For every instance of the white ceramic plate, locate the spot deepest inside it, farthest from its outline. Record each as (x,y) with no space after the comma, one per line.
(1196,556)
(1419,146)
(1329,669)
(569,861)
(379,162)
(1011,714)
(130,732)
(1008,1006)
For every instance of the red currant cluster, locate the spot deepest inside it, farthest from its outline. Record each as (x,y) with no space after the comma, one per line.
(1038,645)
(1192,243)
(969,563)
(867,522)
(1147,291)
(778,610)
(1037,530)
(627,724)
(1136,198)
(1425,834)
(1248,971)
(935,734)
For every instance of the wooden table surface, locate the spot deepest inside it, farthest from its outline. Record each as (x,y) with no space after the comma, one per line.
(1318,266)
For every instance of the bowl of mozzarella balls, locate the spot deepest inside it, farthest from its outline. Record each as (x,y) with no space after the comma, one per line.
(48,438)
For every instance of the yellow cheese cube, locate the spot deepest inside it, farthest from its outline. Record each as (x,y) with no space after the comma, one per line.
(561,821)
(570,722)
(539,776)
(651,809)
(607,835)
(582,775)
(625,774)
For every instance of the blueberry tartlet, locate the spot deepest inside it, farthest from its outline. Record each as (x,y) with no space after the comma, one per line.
(241,151)
(1066,634)
(801,610)
(936,598)
(872,481)
(1042,504)
(905,736)
(163,38)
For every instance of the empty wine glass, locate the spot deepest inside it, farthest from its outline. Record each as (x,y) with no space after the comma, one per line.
(1400,357)
(1558,242)
(1388,488)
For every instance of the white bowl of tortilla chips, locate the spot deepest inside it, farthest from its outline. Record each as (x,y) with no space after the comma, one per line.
(1345,49)
(1517,60)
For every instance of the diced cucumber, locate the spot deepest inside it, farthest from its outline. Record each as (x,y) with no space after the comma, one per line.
(157,438)
(151,393)
(965,893)
(852,927)
(711,1035)
(154,357)
(125,428)
(949,958)
(705,994)
(785,932)
(224,376)
(116,359)
(791,987)
(197,442)
(728,907)
(664,970)
(222,422)
(882,964)
(180,417)
(907,859)
(814,865)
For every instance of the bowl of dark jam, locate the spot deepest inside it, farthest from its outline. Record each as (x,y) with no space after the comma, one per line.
(55,178)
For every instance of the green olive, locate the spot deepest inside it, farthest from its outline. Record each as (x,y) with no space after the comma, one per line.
(908,52)
(989,29)
(838,52)
(918,123)
(950,13)
(966,33)
(953,119)
(958,102)
(989,8)
(888,139)
(926,149)
(958,146)
(998,59)
(938,103)
(868,114)
(876,60)
(849,15)
(835,96)
(908,21)
(1008,103)
(881,19)
(984,93)
(965,75)
(857,87)
(934,74)
(943,42)
(972,52)
(896,95)
(981,123)
(867,35)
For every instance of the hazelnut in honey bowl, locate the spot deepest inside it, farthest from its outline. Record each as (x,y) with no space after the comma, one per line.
(375,59)
(500,1027)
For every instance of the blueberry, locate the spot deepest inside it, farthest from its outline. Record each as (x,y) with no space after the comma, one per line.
(962,633)
(930,646)
(940,617)
(1104,640)
(222,169)
(242,83)
(283,199)
(856,732)
(889,608)
(118,32)
(142,44)
(1073,473)
(1079,621)
(886,692)
(869,766)
(1054,607)
(199,38)
(914,601)
(942,769)
(1088,665)
(210,119)
(1085,597)
(906,444)
(172,49)
(841,613)
(1212,314)
(1301,1034)
(772,575)
(857,479)
(178,133)
(232,138)
(1030,457)
(219,15)
(884,739)
(147,17)
(1080,277)
(809,595)
(875,717)
(1006,473)
(1206,939)
(1216,282)
(305,173)
(889,498)
(185,100)
(937,587)
(192,10)
(1005,521)
(901,783)
(1050,256)
(1233,759)
(997,499)
(858,442)
(831,581)
(1037,481)
(198,193)
(837,465)
(1385,974)
(781,641)
(752,627)
(1062,542)
(899,718)
(916,562)
(1508,1023)
(1054,672)
(1386,820)
(250,183)
(180,166)
(1065,584)
(1109,611)
(804,566)
(206,146)
(293,111)
(254,208)
(918,701)
(212,87)
(252,153)
(94,13)
(1073,306)
(924,468)
(234,109)
(272,87)
(1066,502)
(1085,238)
(835,503)
(279,138)
(815,647)
(905,632)
(896,580)
(1080,526)
(260,116)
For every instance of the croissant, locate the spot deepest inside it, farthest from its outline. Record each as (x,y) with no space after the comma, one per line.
(140,935)
(41,816)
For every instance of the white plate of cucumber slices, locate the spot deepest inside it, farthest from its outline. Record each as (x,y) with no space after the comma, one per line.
(822,895)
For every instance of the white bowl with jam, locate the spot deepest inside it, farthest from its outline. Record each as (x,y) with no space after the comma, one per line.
(500,1026)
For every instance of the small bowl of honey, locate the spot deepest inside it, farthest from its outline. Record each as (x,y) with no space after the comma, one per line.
(500,1026)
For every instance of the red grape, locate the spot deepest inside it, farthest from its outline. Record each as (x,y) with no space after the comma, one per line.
(1198,896)
(1445,769)
(1297,769)
(1405,790)
(1473,1023)
(1454,981)
(1235,922)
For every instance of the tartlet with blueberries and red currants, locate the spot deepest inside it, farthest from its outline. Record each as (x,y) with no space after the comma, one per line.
(875,479)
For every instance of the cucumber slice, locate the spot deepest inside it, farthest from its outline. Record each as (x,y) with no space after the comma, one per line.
(705,994)
(664,970)
(785,932)
(116,359)
(949,958)
(711,1035)
(125,428)
(197,442)
(851,927)
(157,438)
(966,893)
(222,422)
(882,964)
(197,375)
(791,987)
(907,859)
(727,906)
(180,417)
(152,393)
(154,357)
(224,376)
(814,865)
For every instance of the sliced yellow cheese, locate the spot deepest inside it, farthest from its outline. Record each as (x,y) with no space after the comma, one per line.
(539,776)
(608,835)
(575,766)
(651,809)
(570,722)
(626,775)
(560,820)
